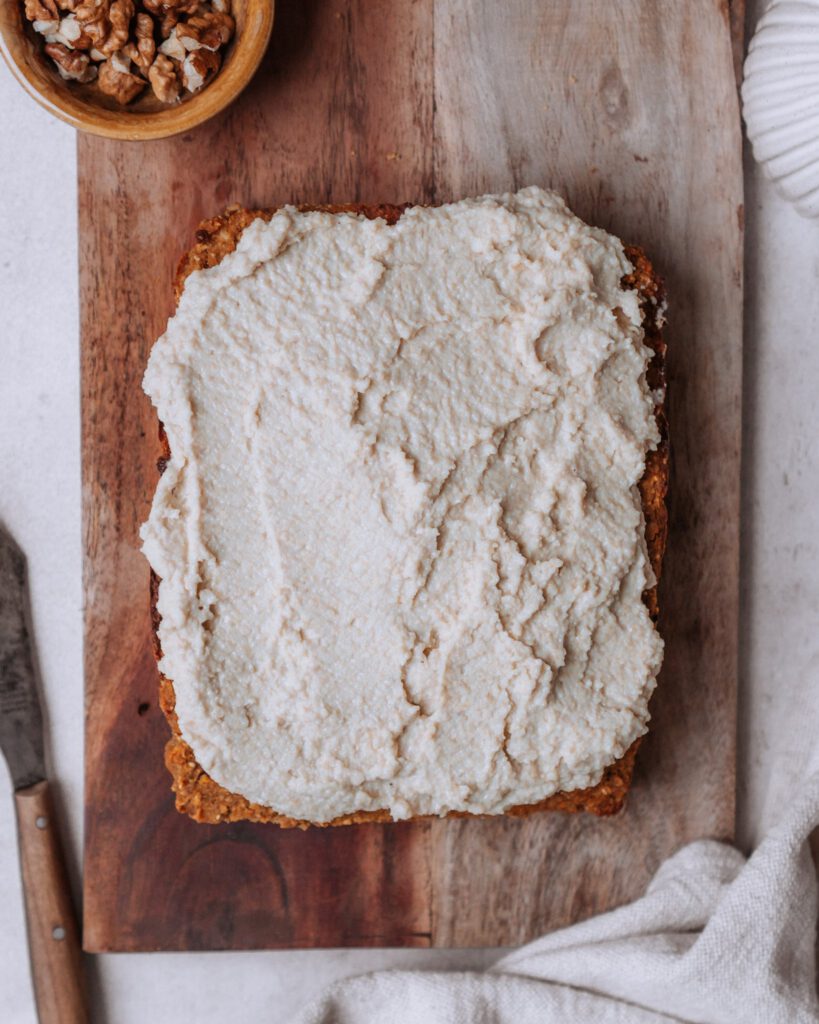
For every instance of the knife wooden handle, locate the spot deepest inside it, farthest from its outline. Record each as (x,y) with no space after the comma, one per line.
(53,936)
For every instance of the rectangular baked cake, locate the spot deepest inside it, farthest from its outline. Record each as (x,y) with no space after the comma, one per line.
(407,538)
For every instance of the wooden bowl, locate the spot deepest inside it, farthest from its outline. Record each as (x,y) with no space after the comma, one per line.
(89,110)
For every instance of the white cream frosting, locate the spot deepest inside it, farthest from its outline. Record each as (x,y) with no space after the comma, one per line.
(400,539)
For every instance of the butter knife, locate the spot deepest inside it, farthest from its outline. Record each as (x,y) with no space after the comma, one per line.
(53,936)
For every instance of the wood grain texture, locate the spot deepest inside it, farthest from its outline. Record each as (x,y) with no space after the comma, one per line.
(53,935)
(633,123)
(736,24)
(631,110)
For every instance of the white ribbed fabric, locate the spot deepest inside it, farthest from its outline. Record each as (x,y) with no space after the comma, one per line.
(715,940)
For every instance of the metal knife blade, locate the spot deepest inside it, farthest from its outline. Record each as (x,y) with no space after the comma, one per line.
(21,719)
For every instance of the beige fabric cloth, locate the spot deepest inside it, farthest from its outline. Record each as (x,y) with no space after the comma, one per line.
(715,940)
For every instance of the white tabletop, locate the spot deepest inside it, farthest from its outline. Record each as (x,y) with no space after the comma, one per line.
(40,504)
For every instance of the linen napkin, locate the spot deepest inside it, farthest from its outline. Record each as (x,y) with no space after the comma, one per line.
(716,939)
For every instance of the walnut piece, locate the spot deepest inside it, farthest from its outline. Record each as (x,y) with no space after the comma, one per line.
(199,67)
(93,16)
(169,21)
(42,10)
(71,64)
(107,23)
(120,84)
(161,8)
(46,28)
(68,32)
(208,29)
(168,13)
(71,33)
(144,47)
(164,79)
(121,62)
(120,17)
(172,47)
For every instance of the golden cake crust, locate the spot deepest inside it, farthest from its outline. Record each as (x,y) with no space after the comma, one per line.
(204,800)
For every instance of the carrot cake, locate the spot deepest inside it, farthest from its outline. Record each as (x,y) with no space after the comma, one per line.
(400,534)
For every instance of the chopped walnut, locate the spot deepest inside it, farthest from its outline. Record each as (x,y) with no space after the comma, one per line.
(208,29)
(172,47)
(143,50)
(120,84)
(68,32)
(122,41)
(169,21)
(71,64)
(120,21)
(164,79)
(169,14)
(46,28)
(198,67)
(93,16)
(42,10)
(120,16)
(160,8)
(72,33)
(121,62)
(107,23)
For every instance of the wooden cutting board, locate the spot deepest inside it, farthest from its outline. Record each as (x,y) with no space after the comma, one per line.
(630,109)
